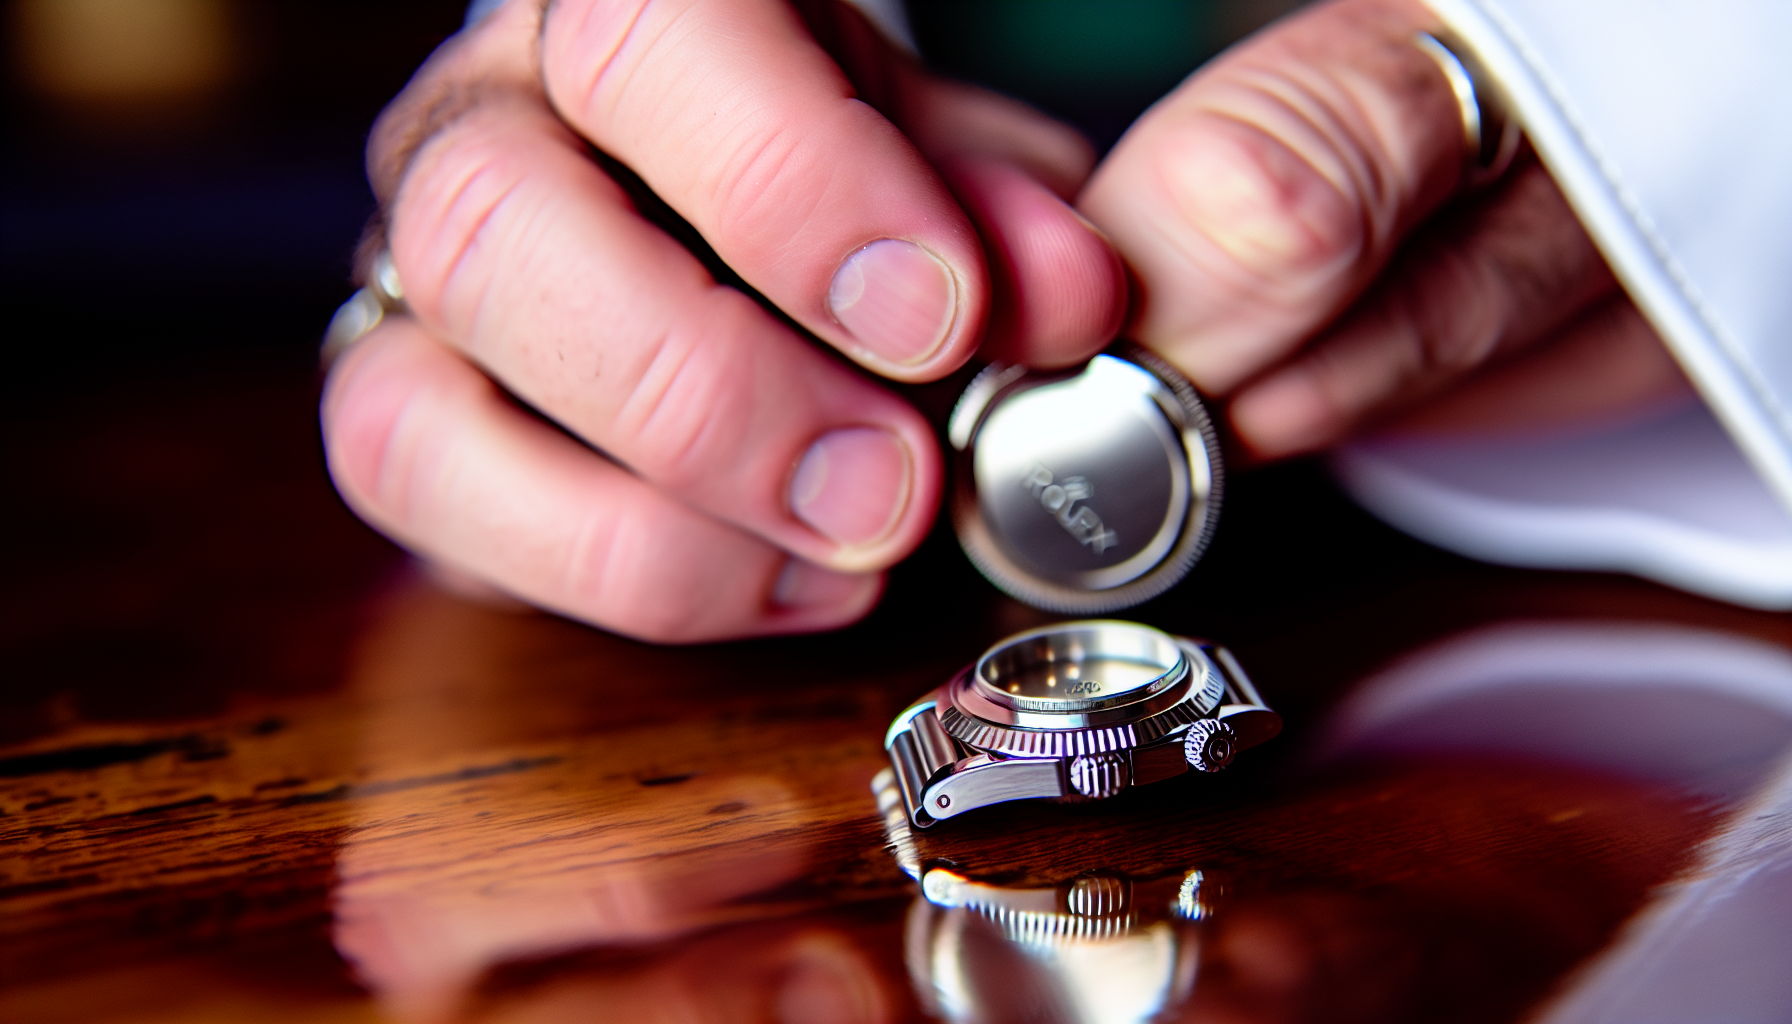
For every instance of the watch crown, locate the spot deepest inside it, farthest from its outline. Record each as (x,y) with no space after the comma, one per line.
(1209,745)
(1099,776)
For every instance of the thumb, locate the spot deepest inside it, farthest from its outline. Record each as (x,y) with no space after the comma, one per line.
(1259,199)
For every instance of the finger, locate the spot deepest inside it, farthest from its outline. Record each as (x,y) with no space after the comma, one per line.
(514,247)
(1258,199)
(494,58)
(1059,287)
(1474,287)
(427,449)
(734,115)
(949,119)
(1607,365)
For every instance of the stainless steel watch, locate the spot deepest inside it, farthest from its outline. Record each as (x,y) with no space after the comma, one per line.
(1080,710)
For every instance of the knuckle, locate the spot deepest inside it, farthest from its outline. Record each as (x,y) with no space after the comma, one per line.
(732,147)
(446,205)
(1453,313)
(486,193)
(626,575)
(431,100)
(494,56)
(762,182)
(1261,202)
(1537,244)
(691,406)
(582,49)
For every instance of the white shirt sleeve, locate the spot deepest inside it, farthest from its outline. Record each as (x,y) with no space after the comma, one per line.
(1668,124)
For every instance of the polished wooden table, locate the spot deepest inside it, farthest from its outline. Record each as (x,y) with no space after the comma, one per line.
(255,765)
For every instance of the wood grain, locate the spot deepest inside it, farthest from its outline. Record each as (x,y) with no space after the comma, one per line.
(257,766)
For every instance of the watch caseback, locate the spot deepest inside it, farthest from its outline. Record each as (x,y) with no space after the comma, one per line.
(1085,491)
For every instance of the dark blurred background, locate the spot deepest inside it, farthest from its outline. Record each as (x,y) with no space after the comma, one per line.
(183,182)
(180,194)
(1096,64)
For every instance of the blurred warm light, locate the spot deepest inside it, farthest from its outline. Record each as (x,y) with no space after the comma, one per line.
(123,50)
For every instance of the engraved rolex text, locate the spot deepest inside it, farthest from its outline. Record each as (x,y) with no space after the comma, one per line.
(1060,497)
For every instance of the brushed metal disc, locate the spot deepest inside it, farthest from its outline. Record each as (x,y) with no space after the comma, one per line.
(1089,490)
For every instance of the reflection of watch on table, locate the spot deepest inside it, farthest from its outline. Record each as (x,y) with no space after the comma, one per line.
(1077,710)
(1099,947)
(1007,942)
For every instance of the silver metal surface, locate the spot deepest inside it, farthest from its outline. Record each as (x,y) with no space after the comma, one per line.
(1087,667)
(1208,745)
(1099,776)
(983,780)
(1085,942)
(967,745)
(1490,134)
(1077,732)
(1089,490)
(383,295)
(1101,947)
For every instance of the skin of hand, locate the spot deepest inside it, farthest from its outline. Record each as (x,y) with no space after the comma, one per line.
(1300,243)
(576,411)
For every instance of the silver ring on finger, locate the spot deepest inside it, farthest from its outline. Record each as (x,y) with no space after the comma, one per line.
(381,296)
(1491,134)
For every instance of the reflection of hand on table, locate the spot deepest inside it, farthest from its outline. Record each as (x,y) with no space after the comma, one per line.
(774,973)
(758,485)
(514,805)
(424,911)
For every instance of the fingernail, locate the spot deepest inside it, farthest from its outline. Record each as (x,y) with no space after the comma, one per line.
(852,485)
(806,585)
(897,299)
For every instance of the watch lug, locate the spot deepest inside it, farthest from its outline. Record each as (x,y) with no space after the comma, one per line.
(1252,720)
(1253,723)
(984,780)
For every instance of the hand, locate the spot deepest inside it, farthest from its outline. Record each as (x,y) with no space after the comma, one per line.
(1294,217)
(748,482)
